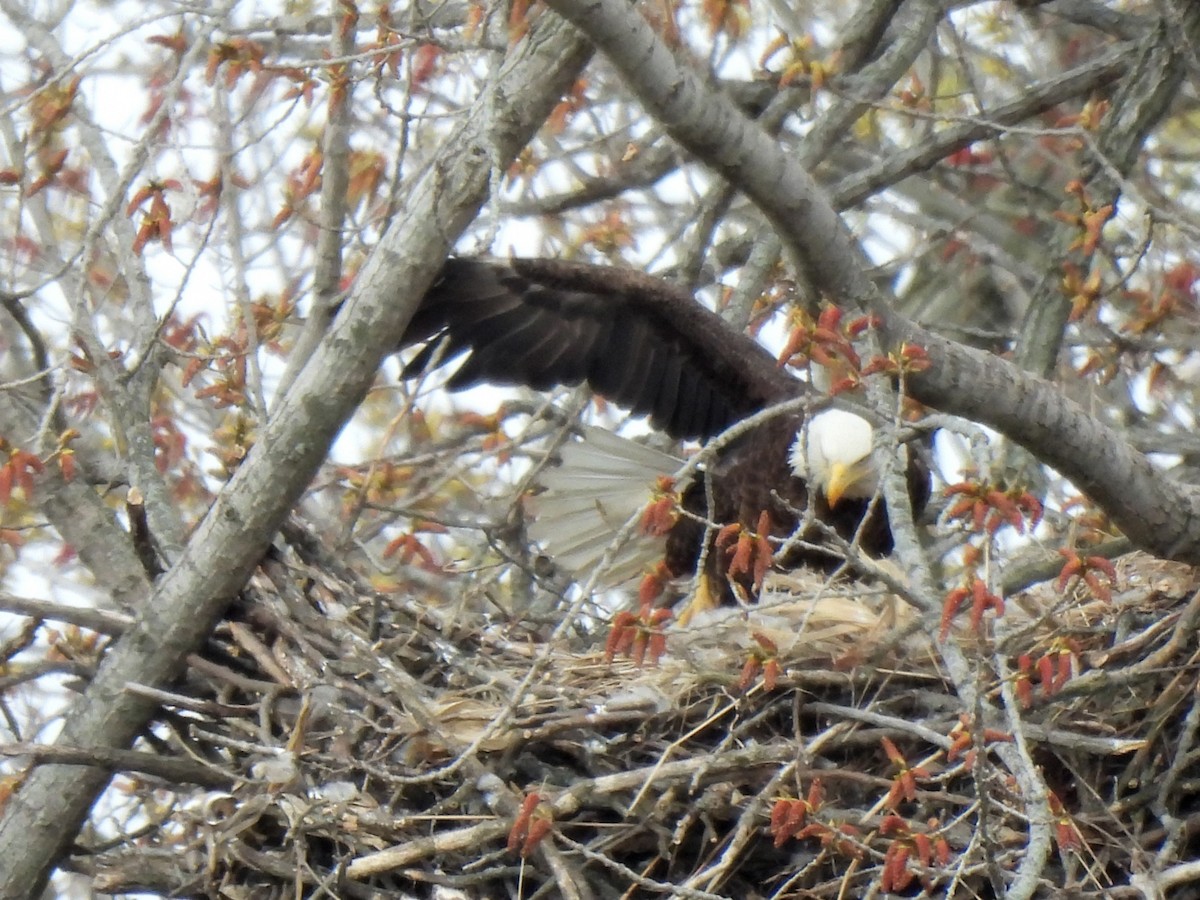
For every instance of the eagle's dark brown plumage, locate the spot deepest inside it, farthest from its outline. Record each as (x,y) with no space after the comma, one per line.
(646,345)
(636,340)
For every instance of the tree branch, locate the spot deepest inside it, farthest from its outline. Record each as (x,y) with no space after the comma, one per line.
(1153,510)
(1151,81)
(41,819)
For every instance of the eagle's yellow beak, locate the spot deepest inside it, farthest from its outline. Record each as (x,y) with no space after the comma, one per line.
(842,478)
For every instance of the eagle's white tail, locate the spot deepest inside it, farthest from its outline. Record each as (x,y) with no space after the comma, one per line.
(602,482)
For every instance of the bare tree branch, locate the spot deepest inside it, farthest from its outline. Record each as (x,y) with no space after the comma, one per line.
(335,179)
(1153,510)
(893,168)
(40,821)
(80,515)
(1154,72)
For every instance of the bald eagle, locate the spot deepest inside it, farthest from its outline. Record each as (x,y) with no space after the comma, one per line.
(646,345)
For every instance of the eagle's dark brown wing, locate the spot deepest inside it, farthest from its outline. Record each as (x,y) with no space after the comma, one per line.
(635,339)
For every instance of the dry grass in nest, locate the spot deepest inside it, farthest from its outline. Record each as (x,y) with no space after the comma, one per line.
(343,743)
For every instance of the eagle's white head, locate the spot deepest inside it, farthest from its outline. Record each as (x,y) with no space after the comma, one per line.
(834,453)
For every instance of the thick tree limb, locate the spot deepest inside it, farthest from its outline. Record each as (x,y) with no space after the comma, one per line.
(1153,510)
(46,812)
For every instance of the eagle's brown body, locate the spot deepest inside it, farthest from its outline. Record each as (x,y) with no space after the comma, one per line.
(648,346)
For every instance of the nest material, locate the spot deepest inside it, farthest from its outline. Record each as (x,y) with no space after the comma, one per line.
(344,743)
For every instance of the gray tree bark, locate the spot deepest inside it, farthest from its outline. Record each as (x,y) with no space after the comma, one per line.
(43,817)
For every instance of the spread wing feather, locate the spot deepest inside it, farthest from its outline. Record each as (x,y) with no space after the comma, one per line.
(635,339)
(668,388)
(601,481)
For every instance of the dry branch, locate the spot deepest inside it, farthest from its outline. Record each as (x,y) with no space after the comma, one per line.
(1153,510)
(40,821)
(660,780)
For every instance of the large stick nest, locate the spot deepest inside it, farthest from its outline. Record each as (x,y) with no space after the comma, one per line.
(332,741)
